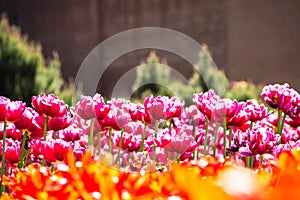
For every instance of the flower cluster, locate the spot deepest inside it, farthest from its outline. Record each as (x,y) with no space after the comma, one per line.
(138,137)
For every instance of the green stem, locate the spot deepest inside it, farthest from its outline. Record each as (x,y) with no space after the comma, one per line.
(22,149)
(54,135)
(230,135)
(45,128)
(215,140)
(178,158)
(252,161)
(206,137)
(169,155)
(261,160)
(99,142)
(224,136)
(155,135)
(279,120)
(3,172)
(91,136)
(195,156)
(143,138)
(248,161)
(282,124)
(109,141)
(52,168)
(120,146)
(280,129)
(251,126)
(45,135)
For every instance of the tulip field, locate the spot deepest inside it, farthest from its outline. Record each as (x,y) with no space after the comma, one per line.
(218,148)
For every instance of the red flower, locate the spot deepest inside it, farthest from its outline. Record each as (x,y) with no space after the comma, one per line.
(10,110)
(49,105)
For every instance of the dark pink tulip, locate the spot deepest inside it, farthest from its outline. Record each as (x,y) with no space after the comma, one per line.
(49,105)
(156,107)
(224,108)
(10,110)
(193,116)
(174,107)
(282,97)
(3,104)
(59,123)
(130,142)
(240,117)
(101,108)
(12,151)
(70,134)
(137,112)
(175,143)
(78,150)
(117,119)
(60,149)
(85,108)
(256,111)
(47,150)
(289,134)
(11,132)
(206,102)
(293,122)
(120,103)
(262,140)
(30,121)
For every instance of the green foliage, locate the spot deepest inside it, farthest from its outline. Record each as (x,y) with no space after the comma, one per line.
(24,70)
(152,77)
(242,91)
(158,74)
(207,76)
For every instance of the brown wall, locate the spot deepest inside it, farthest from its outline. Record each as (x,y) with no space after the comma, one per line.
(264,41)
(257,40)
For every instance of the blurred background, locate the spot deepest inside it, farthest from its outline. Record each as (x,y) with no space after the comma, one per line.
(256,41)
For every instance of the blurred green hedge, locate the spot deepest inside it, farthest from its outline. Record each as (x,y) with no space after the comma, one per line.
(206,76)
(24,70)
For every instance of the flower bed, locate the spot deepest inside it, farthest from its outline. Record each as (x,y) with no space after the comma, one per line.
(218,148)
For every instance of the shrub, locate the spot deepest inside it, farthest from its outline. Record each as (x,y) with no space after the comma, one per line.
(26,73)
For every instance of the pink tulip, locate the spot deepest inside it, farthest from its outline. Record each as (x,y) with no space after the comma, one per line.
(12,151)
(32,122)
(191,115)
(85,108)
(256,111)
(101,108)
(10,110)
(49,105)
(156,107)
(11,132)
(137,112)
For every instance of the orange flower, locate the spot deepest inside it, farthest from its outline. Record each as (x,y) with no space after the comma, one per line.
(288,179)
